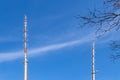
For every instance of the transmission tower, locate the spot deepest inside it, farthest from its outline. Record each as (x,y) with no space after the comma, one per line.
(25,50)
(93,61)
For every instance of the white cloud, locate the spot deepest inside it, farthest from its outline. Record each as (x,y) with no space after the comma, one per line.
(16,55)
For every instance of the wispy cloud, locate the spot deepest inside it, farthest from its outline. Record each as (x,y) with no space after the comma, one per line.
(33,52)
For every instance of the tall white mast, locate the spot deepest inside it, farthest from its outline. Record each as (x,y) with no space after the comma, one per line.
(25,49)
(93,61)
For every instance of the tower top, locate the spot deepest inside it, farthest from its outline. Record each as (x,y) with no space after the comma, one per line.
(25,20)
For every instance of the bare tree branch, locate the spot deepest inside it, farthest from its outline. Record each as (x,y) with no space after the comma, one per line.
(104,21)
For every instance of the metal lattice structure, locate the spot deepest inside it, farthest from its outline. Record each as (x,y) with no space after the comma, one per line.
(93,61)
(25,50)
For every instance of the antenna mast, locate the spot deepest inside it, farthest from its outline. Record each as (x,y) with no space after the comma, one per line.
(25,49)
(93,61)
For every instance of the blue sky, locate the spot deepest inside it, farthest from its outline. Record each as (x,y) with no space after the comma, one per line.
(57,48)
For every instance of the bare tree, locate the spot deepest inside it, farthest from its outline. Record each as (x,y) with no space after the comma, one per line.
(105,20)
(115,47)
